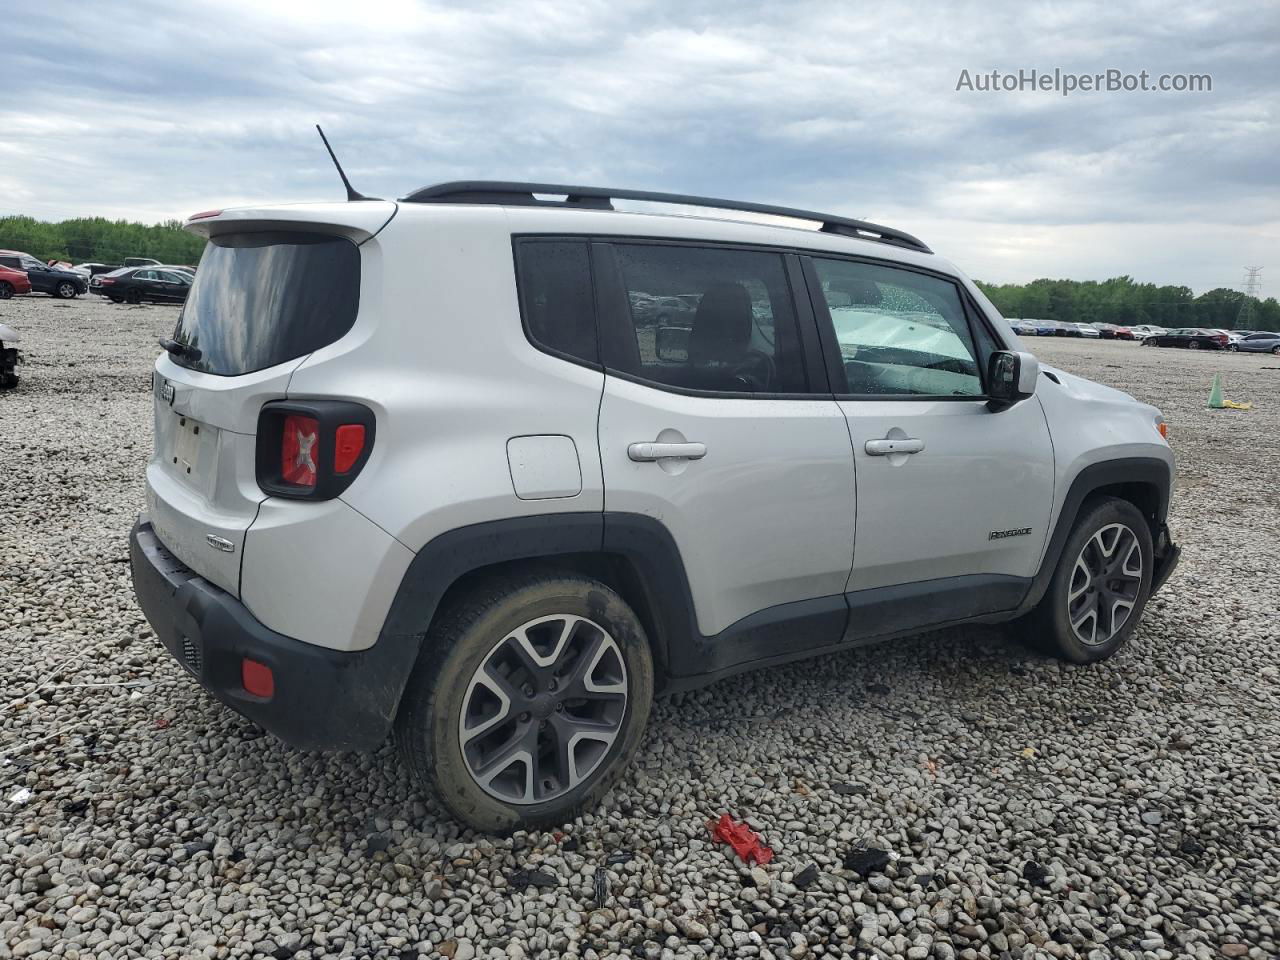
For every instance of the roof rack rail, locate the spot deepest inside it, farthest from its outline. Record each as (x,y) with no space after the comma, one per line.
(512,193)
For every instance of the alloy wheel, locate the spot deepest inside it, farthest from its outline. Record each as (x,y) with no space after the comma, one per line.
(66,291)
(1105,583)
(543,709)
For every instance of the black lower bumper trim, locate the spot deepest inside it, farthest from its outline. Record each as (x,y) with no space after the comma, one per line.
(323,700)
(1167,555)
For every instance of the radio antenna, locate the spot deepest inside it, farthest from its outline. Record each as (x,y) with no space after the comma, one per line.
(352,192)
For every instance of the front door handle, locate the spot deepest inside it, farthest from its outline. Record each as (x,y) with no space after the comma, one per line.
(882,448)
(652,450)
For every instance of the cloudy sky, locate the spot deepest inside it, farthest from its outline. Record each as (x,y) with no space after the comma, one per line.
(155,110)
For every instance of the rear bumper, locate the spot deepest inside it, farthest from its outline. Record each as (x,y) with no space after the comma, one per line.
(323,700)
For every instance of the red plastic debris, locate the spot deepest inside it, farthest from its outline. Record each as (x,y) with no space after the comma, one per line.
(745,841)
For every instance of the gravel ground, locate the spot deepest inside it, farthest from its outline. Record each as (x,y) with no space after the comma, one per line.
(1028,808)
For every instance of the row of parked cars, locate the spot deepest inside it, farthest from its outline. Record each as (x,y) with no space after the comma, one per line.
(139,279)
(1193,338)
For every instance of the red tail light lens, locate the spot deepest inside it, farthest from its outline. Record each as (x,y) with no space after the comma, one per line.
(348,444)
(257,678)
(299,451)
(312,449)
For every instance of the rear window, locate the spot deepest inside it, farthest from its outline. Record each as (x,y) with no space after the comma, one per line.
(260,299)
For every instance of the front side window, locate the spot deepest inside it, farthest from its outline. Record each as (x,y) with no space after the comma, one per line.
(900,333)
(556,298)
(707,319)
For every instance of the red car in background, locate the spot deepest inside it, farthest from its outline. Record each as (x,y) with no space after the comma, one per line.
(13,281)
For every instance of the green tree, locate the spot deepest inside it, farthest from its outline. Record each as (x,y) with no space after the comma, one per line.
(98,240)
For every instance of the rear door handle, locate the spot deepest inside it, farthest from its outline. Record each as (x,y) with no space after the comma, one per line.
(882,448)
(646,452)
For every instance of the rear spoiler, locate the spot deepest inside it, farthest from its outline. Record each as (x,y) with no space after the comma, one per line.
(357,222)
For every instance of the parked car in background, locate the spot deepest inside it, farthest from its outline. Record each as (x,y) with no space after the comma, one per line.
(9,356)
(1044,328)
(140,262)
(13,282)
(1144,330)
(91,270)
(137,284)
(1023,328)
(1086,330)
(44,278)
(1264,341)
(1193,338)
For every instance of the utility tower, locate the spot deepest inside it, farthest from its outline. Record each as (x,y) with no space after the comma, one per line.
(1252,284)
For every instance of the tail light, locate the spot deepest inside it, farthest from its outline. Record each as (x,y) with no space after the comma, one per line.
(104,281)
(312,449)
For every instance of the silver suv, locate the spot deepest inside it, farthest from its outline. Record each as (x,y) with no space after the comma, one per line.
(459,468)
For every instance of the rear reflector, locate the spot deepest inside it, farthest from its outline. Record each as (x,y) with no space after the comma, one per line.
(1163,428)
(347,446)
(256,678)
(299,450)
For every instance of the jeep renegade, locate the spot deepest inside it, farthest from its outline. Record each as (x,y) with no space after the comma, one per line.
(489,466)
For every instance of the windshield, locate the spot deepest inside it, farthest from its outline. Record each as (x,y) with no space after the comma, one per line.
(260,299)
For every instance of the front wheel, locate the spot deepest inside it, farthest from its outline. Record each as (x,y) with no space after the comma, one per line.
(6,289)
(65,290)
(1233,348)
(529,701)
(1100,586)
(1276,350)
(1193,345)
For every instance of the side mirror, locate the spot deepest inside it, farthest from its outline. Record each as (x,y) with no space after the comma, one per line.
(1011,376)
(672,344)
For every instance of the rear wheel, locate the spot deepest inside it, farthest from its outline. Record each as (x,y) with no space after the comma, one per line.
(6,289)
(1101,585)
(1233,348)
(529,701)
(65,290)
(134,297)
(1194,345)
(1276,350)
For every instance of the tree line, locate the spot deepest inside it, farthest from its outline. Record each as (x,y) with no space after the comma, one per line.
(1125,302)
(99,240)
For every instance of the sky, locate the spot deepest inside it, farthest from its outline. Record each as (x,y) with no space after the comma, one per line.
(157,110)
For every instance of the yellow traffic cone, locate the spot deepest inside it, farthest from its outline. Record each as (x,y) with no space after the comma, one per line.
(1215,393)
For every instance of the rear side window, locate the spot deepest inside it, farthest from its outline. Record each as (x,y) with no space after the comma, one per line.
(556,299)
(900,333)
(260,299)
(707,319)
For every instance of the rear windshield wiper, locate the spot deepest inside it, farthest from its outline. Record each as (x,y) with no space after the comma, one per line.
(180,349)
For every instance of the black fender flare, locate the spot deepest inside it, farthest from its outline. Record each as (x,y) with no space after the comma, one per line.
(596,541)
(1150,474)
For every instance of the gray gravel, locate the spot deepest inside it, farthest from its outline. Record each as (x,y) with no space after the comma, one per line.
(1028,808)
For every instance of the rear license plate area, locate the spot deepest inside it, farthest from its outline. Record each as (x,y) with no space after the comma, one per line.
(186,445)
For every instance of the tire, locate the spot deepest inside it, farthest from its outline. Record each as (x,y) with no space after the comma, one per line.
(1102,521)
(1233,348)
(1193,345)
(480,636)
(6,289)
(134,297)
(65,290)
(1276,350)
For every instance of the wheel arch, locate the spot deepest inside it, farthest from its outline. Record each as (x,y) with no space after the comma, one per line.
(1146,482)
(633,555)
